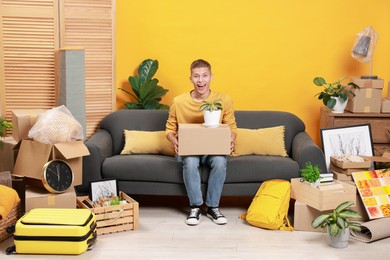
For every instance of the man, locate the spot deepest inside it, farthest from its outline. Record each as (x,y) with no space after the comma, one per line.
(185,109)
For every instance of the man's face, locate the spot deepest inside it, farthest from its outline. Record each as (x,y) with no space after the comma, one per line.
(200,78)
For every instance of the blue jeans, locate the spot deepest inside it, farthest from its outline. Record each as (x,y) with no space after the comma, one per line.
(192,181)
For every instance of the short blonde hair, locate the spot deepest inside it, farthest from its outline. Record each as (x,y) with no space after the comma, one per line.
(200,64)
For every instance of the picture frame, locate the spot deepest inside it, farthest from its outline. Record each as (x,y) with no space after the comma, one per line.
(349,140)
(103,189)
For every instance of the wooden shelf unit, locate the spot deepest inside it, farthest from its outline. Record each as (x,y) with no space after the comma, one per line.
(380,124)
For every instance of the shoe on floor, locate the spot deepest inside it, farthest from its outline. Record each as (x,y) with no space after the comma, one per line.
(194,217)
(216,216)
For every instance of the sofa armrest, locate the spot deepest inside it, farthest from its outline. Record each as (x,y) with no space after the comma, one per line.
(304,150)
(100,148)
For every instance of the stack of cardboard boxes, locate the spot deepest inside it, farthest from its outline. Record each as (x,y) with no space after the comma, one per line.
(368,98)
(385,106)
(311,202)
(25,158)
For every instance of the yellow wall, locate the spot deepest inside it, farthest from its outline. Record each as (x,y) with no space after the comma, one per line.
(264,53)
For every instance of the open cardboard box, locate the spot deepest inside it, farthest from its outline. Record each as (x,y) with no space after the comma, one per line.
(33,155)
(22,121)
(346,165)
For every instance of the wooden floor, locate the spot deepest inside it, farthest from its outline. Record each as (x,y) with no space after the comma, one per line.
(163,234)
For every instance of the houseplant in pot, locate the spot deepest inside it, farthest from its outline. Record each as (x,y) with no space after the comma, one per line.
(335,95)
(4,126)
(311,174)
(337,224)
(211,112)
(146,91)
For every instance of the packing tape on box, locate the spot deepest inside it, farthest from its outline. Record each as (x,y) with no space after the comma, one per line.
(51,200)
(369,93)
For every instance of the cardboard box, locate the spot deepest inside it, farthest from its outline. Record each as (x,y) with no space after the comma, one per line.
(325,197)
(348,165)
(385,106)
(110,219)
(196,139)
(369,83)
(304,215)
(7,154)
(22,121)
(40,198)
(342,176)
(33,155)
(367,100)
(347,171)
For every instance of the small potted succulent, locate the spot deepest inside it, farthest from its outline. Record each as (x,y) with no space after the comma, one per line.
(4,126)
(212,112)
(311,174)
(335,95)
(337,224)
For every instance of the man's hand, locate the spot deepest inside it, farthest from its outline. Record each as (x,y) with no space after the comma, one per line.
(232,141)
(173,138)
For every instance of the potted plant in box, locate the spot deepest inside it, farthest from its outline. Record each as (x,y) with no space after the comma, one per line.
(335,95)
(211,112)
(311,174)
(337,224)
(4,126)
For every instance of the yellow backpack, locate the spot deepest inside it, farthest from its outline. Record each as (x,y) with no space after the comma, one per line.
(269,207)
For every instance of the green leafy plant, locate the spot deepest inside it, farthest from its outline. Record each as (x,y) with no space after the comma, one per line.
(337,220)
(334,89)
(4,126)
(147,92)
(211,106)
(311,173)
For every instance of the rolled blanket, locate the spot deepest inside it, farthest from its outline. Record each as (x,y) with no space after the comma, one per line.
(8,198)
(373,230)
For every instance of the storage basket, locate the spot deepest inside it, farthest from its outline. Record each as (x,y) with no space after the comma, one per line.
(6,225)
(117,218)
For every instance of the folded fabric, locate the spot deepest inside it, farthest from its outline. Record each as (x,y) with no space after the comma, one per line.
(8,198)
(373,230)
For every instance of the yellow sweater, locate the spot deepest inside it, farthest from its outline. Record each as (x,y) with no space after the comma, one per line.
(185,110)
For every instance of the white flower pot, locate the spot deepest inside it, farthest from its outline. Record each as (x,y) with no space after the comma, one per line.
(340,105)
(212,118)
(340,241)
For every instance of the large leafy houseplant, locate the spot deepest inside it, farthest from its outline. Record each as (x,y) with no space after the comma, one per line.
(147,92)
(334,89)
(338,220)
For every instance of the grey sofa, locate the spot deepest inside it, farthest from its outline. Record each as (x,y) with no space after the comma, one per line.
(146,174)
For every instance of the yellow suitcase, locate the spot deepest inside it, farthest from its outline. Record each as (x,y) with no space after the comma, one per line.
(54,231)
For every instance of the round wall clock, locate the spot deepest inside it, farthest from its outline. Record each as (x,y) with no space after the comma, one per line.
(57,176)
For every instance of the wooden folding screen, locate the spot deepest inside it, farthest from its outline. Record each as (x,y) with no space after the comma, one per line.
(31,31)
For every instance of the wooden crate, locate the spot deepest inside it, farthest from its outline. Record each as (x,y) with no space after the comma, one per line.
(111,219)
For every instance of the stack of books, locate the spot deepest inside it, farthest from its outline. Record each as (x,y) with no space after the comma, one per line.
(326,178)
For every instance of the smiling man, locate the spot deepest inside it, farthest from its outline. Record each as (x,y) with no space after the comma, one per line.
(185,109)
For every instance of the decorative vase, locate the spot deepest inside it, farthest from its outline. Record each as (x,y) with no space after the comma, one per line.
(212,118)
(340,105)
(339,241)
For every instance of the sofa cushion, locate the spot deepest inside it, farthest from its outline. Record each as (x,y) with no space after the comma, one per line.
(258,168)
(263,141)
(147,142)
(143,167)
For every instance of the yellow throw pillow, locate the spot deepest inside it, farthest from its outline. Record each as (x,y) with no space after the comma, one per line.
(147,142)
(265,141)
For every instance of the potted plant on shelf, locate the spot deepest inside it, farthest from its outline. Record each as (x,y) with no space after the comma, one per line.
(211,112)
(337,224)
(147,93)
(335,95)
(311,174)
(4,126)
